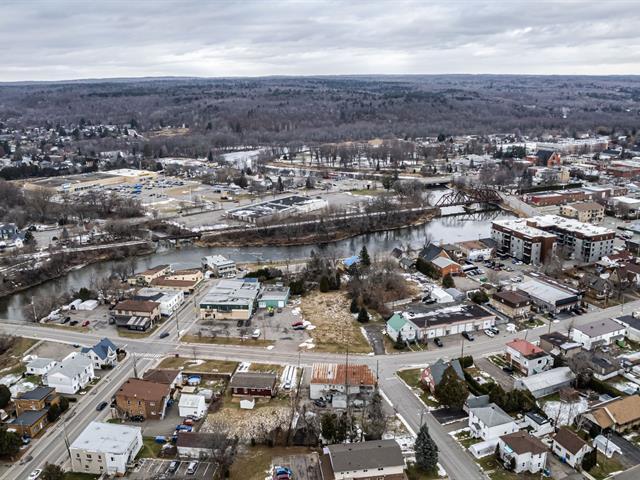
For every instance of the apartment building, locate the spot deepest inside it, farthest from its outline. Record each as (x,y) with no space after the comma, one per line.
(586,212)
(515,237)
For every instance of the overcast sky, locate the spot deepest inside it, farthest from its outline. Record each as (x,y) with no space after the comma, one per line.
(69,39)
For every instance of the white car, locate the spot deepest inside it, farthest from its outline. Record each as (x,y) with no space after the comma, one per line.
(489,333)
(256,333)
(35,474)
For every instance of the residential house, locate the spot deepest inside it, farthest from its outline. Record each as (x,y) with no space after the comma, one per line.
(192,405)
(598,333)
(558,345)
(329,380)
(196,446)
(171,284)
(253,384)
(40,366)
(490,422)
(29,423)
(379,460)
(446,266)
(220,266)
(539,426)
(40,398)
(432,375)
(145,278)
(233,299)
(71,375)
(522,452)
(173,378)
(431,251)
(514,305)
(632,324)
(273,296)
(546,383)
(619,414)
(398,325)
(587,212)
(547,158)
(137,397)
(527,357)
(105,449)
(104,354)
(570,447)
(169,300)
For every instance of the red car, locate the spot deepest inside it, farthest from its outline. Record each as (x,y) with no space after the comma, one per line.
(85,323)
(297,324)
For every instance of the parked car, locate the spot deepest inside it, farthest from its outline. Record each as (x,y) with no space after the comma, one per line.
(507,369)
(184,428)
(66,320)
(101,406)
(188,421)
(173,466)
(319,403)
(438,342)
(256,334)
(489,333)
(164,334)
(192,468)
(495,329)
(468,336)
(297,324)
(73,322)
(86,323)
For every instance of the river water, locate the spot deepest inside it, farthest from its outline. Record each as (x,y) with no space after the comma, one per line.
(445,229)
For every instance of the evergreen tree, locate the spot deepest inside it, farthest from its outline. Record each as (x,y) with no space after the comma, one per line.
(447,281)
(365,259)
(426,450)
(53,413)
(279,185)
(589,460)
(308,184)
(9,442)
(376,423)
(354,308)
(324,284)
(399,345)
(5,395)
(328,427)
(363,315)
(452,390)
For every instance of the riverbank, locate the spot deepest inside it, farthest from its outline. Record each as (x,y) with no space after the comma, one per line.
(284,237)
(64,263)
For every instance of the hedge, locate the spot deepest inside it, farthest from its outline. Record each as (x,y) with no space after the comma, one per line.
(602,387)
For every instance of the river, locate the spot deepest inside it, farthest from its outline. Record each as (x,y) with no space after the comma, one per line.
(444,229)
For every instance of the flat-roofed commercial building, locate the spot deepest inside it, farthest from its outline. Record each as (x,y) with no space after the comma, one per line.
(588,212)
(428,322)
(585,242)
(520,240)
(549,295)
(233,299)
(86,181)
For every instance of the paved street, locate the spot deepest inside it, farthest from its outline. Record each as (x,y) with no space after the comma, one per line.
(459,465)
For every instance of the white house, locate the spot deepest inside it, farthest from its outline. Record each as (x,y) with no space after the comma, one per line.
(192,405)
(490,422)
(71,375)
(570,447)
(105,448)
(522,452)
(219,265)
(380,459)
(527,357)
(104,354)
(399,325)
(597,333)
(545,383)
(169,300)
(40,366)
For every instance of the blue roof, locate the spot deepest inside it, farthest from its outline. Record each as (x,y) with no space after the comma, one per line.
(351,260)
(101,348)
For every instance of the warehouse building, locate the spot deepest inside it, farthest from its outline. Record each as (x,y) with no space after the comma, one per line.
(233,299)
(87,181)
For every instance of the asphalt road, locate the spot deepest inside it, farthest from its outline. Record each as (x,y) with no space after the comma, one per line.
(459,465)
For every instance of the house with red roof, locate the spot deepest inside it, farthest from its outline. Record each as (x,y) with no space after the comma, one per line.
(527,357)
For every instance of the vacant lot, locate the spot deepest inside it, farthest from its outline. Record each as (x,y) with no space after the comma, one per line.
(11,352)
(335,327)
(254,463)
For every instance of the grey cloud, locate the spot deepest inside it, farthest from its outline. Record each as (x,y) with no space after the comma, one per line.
(77,39)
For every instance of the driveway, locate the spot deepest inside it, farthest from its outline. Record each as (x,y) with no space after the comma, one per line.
(504,379)
(630,452)
(374,335)
(445,416)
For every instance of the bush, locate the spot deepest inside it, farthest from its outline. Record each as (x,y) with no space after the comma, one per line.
(427,269)
(479,297)
(363,316)
(296,287)
(466,361)
(324,284)
(603,387)
(474,386)
(447,281)
(589,460)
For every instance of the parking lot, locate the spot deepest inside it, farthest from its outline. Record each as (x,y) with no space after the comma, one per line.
(155,468)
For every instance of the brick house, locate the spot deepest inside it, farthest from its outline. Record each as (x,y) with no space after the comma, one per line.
(138,397)
(39,398)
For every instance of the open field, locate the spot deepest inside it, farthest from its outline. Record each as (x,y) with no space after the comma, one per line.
(336,327)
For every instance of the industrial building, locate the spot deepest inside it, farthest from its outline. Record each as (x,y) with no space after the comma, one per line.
(233,299)
(86,181)
(282,207)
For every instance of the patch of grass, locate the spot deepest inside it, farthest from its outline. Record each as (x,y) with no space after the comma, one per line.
(13,355)
(253,463)
(150,449)
(227,341)
(465,439)
(412,378)
(414,473)
(605,467)
(207,366)
(266,367)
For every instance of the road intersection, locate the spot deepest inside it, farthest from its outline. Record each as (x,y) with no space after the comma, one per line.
(148,351)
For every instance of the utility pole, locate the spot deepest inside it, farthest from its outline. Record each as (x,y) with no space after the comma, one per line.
(33,307)
(135,366)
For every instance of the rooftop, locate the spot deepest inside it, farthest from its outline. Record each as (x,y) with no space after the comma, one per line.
(570,225)
(232,291)
(137,306)
(552,293)
(29,417)
(256,380)
(552,377)
(586,206)
(161,376)
(106,437)
(189,400)
(339,374)
(526,349)
(520,225)
(424,316)
(569,440)
(38,393)
(511,298)
(144,390)
(522,442)
(600,327)
(365,455)
(492,415)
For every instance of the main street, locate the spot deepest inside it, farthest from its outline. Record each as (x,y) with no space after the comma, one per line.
(459,466)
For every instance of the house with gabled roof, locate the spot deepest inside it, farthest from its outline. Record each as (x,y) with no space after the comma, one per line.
(522,452)
(490,422)
(570,447)
(527,357)
(103,354)
(432,375)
